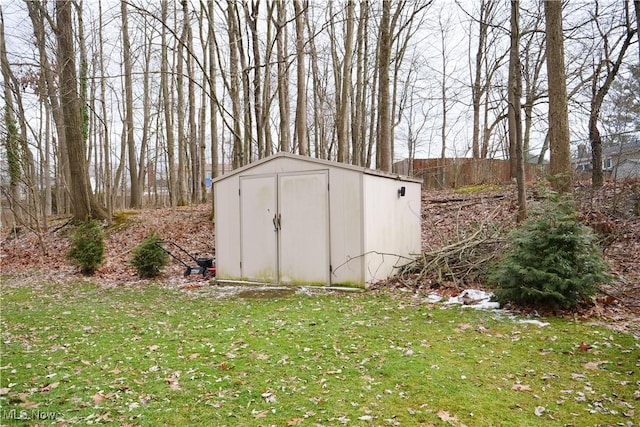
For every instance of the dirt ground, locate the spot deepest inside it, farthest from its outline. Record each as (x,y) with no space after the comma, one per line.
(27,255)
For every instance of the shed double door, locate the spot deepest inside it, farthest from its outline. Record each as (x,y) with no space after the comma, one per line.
(284,227)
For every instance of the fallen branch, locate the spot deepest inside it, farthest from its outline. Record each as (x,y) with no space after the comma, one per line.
(460,263)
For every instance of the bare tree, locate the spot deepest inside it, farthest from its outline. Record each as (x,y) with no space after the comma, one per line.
(283,75)
(606,70)
(234,86)
(135,190)
(342,116)
(11,141)
(83,202)
(487,10)
(515,118)
(167,102)
(384,104)
(301,98)
(560,160)
(359,125)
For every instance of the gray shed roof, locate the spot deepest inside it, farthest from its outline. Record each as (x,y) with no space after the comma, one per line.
(327,163)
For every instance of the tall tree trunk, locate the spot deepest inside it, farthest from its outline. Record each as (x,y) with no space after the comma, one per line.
(252,20)
(301,98)
(11,140)
(515,117)
(83,203)
(283,76)
(193,142)
(213,104)
(359,128)
(37,13)
(167,106)
(183,176)
(267,92)
(560,160)
(234,87)
(384,107)
(109,193)
(135,190)
(343,115)
(143,167)
(487,8)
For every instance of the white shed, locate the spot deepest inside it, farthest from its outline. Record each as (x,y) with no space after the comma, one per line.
(289,219)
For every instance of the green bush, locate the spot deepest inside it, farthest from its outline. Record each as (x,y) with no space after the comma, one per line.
(554,261)
(87,247)
(149,258)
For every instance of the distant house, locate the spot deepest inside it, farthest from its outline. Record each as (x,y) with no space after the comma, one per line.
(619,160)
(627,168)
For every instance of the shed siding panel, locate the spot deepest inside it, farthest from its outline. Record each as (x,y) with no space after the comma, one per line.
(227,214)
(392,225)
(346,227)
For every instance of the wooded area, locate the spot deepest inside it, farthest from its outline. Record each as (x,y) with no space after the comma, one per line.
(123,104)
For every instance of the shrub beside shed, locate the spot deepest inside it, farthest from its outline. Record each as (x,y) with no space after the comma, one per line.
(290,219)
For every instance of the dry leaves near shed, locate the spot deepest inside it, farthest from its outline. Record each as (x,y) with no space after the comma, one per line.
(191,227)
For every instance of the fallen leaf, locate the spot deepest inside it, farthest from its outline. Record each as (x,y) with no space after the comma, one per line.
(295,421)
(29,404)
(49,387)
(260,414)
(584,347)
(593,365)
(521,387)
(446,417)
(539,411)
(100,397)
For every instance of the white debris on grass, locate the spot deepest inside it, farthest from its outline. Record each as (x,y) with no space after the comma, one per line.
(473,298)
(534,322)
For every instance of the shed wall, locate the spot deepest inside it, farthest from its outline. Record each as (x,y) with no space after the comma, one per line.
(347,226)
(392,229)
(227,218)
(364,212)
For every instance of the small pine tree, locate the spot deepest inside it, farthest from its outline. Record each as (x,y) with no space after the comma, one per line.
(149,258)
(554,261)
(87,247)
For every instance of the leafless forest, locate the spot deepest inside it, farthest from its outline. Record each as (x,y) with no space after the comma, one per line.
(112,104)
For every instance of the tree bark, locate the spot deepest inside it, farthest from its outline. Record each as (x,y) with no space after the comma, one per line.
(135,190)
(384,107)
(167,106)
(560,160)
(343,115)
(515,117)
(84,205)
(283,76)
(234,86)
(487,8)
(359,127)
(301,98)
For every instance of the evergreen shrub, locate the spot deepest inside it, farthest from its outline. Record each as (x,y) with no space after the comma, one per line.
(553,262)
(88,247)
(149,258)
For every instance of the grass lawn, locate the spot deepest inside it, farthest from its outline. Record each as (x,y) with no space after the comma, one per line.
(150,356)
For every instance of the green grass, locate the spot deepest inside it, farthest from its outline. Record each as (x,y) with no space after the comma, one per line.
(145,355)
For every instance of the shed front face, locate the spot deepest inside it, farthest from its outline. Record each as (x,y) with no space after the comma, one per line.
(291,219)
